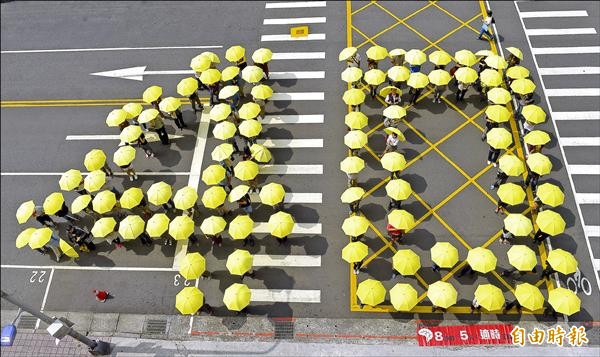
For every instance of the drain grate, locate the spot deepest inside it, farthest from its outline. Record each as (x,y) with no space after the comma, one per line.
(156,327)
(284,329)
(27,322)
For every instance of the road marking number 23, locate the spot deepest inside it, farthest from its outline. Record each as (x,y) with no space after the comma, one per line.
(37,276)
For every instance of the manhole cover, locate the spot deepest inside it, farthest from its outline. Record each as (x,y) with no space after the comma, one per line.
(156,327)
(27,322)
(284,329)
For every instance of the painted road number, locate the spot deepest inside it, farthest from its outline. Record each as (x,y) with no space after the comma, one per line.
(178,278)
(37,276)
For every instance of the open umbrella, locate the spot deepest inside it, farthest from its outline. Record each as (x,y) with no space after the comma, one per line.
(94,159)
(371,292)
(497,113)
(151,94)
(550,222)
(235,53)
(94,181)
(211,56)
(40,237)
(517,72)
(347,53)
(533,114)
(220,112)
(353,96)
(394,112)
(192,266)
(439,77)
(442,294)
(355,226)
(25,211)
(229,73)
(398,189)
(185,198)
(262,55)
(224,130)
(131,227)
(213,225)
(499,138)
(401,219)
(272,194)
(187,86)
(116,117)
(522,86)
(481,260)
(377,53)
(252,74)
(124,155)
(70,180)
(246,170)
(157,225)
(444,254)
(417,80)
(261,91)
(132,110)
(511,193)
(181,227)
(498,96)
(398,73)
(374,76)
(522,257)
(406,262)
(496,62)
(490,297)
(130,134)
(356,120)
(465,57)
(403,297)
(249,110)
(200,63)
(564,301)
(529,296)
(189,300)
(103,227)
(466,75)
(148,115)
(237,296)
(515,51)
(490,78)
(536,137)
(397,52)
(415,57)
(229,91)
(562,261)
(214,197)
(352,194)
(539,163)
(351,74)
(355,252)
(550,194)
(239,262)
(171,104)
(511,165)
(250,128)
(393,161)
(53,203)
(238,192)
(355,139)
(24,237)
(131,197)
(67,249)
(222,152)
(352,165)
(391,129)
(80,203)
(213,174)
(518,224)
(484,53)
(439,58)
(159,193)
(241,226)
(281,224)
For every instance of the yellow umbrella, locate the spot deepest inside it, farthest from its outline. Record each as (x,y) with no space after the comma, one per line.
(515,51)
(352,194)
(377,53)
(124,155)
(393,161)
(213,197)
(354,252)
(94,159)
(394,112)
(465,57)
(131,227)
(371,292)
(354,96)
(374,77)
(220,112)
(355,139)
(562,261)
(235,53)
(261,91)
(200,63)
(398,73)
(536,137)
(130,133)
(387,90)
(148,115)
(564,301)
(238,192)
(260,153)
(518,224)
(442,294)
(444,254)
(262,55)
(355,226)
(159,193)
(133,109)
(189,300)
(250,128)
(53,203)
(170,104)
(496,62)
(228,91)
(398,189)
(497,113)
(490,297)
(401,219)
(236,297)
(272,194)
(484,53)
(352,74)
(397,52)
(356,120)
(439,58)
(181,227)
(352,165)
(157,225)
(490,78)
(466,75)
(187,86)
(249,110)
(192,266)
(185,198)
(25,211)
(252,74)
(24,237)
(103,227)
(70,180)
(213,174)
(539,163)
(40,237)
(417,80)
(498,96)
(499,138)
(94,181)
(439,77)
(224,130)
(415,57)
(529,296)
(550,194)
(281,224)
(511,165)
(239,262)
(116,117)
(241,226)
(391,129)
(511,193)
(347,53)
(131,197)
(213,225)
(246,170)
(229,73)
(522,257)
(403,297)
(151,94)
(104,201)
(522,86)
(481,260)
(517,72)
(533,114)
(406,262)
(80,203)
(550,222)
(211,56)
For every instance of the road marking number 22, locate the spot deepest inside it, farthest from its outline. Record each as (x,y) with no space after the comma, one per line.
(37,276)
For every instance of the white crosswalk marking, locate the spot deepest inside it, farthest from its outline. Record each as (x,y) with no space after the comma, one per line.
(265,260)
(298,96)
(587,115)
(555,71)
(565,50)
(298,197)
(291,170)
(561,32)
(294,4)
(592,231)
(285,295)
(580,141)
(295,20)
(299,228)
(297,55)
(538,14)
(584,169)
(573,92)
(286,37)
(587,198)
(597,264)
(291,143)
(297,75)
(293,119)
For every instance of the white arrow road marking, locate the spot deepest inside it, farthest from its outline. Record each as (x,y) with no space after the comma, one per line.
(108,49)
(285,295)
(150,137)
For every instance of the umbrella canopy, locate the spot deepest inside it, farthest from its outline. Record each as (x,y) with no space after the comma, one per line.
(393,161)
(262,55)
(94,159)
(466,75)
(252,74)
(539,163)
(53,203)
(24,237)
(130,134)
(564,301)
(238,192)
(516,52)
(498,96)
(536,137)
(281,224)
(272,194)
(499,138)
(550,194)
(236,297)
(249,110)
(354,96)
(133,110)
(356,120)
(517,72)
(490,297)
(80,203)
(371,292)
(522,257)
(417,80)
(465,57)
(496,62)
(355,139)
(511,165)
(355,252)
(159,193)
(355,226)
(374,76)
(518,224)
(490,78)
(229,73)
(132,197)
(70,180)
(439,58)
(157,225)
(522,86)
(352,194)
(151,94)
(439,77)
(398,73)
(484,53)
(352,74)
(481,260)
(185,198)
(347,53)
(529,296)
(250,128)
(149,115)
(394,112)
(187,86)
(189,300)
(131,227)
(214,197)
(229,91)
(442,294)
(398,189)
(246,170)
(213,174)
(444,254)
(391,129)
(406,262)
(415,57)
(103,227)
(116,117)
(550,222)
(352,165)
(124,155)
(213,225)
(200,63)
(94,181)
(40,237)
(211,56)
(533,114)
(397,52)
(192,266)
(497,113)
(403,297)
(377,53)
(562,261)
(241,226)
(171,104)
(220,112)
(181,227)
(261,91)
(235,53)
(511,193)
(222,152)
(25,211)
(239,262)
(401,219)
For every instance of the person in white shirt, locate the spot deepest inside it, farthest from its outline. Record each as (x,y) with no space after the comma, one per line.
(393,98)
(391,143)
(487,22)
(354,61)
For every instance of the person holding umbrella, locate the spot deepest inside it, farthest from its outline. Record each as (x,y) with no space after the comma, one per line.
(123,157)
(489,125)
(393,98)
(188,87)
(158,125)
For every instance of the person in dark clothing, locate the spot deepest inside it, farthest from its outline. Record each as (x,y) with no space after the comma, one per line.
(158,125)
(80,237)
(415,93)
(156,103)
(249,240)
(501,178)
(145,238)
(213,89)
(549,310)
(549,270)
(245,203)
(493,155)
(500,205)
(394,204)
(241,63)
(356,266)
(435,308)
(145,145)
(177,116)
(264,67)
(195,99)
(354,206)
(540,236)
(42,217)
(461,90)
(510,305)
(169,205)
(532,179)
(489,125)
(63,212)
(510,271)
(467,269)
(436,268)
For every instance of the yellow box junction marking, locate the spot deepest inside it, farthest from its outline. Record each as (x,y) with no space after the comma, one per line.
(299,31)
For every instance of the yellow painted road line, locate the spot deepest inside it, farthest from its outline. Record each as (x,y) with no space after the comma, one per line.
(448,35)
(363,35)
(350,13)
(79,102)
(466,24)
(370,151)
